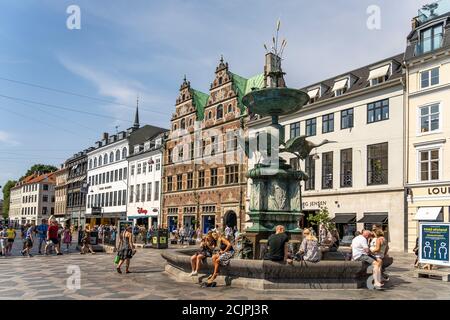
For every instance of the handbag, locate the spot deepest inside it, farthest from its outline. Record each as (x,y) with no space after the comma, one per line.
(117,259)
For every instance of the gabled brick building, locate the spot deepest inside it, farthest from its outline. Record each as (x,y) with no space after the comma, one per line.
(204,167)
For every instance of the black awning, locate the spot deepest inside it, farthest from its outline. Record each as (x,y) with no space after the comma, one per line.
(374,218)
(344,218)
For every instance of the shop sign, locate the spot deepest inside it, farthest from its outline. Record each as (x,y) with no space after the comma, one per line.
(313,204)
(434,243)
(438,191)
(142,211)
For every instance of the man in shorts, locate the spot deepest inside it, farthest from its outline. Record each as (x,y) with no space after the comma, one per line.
(52,237)
(11,233)
(42,234)
(360,250)
(28,241)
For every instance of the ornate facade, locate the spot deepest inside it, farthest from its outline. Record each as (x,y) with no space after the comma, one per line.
(204,165)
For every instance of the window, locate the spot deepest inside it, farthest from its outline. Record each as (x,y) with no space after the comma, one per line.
(44,210)
(213,177)
(192,150)
(169,183)
(116,175)
(310,170)
(429,118)
(131,194)
(45,187)
(139,166)
(209,115)
(347,118)
(132,170)
(201,179)
(429,78)
(124,173)
(90,164)
(179,181)
(327,170)
(180,153)
(232,174)
(115,199)
(219,114)
(190,177)
(214,145)
(311,127)
(183,124)
(378,111)
(374,82)
(295,130)
(111,176)
(156,197)
(144,167)
(346,168)
(158,164)
(95,162)
(170,156)
(111,199)
(328,123)
(45,198)
(111,157)
(100,161)
(106,199)
(120,174)
(430,39)
(294,163)
(429,165)
(124,196)
(231,143)
(377,164)
(117,155)
(149,191)
(124,153)
(119,198)
(138,193)
(340,92)
(143,192)
(105,159)
(230,108)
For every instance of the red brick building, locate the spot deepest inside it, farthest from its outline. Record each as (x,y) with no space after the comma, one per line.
(204,166)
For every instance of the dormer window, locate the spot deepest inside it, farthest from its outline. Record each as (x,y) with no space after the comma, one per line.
(314,94)
(430,39)
(379,75)
(340,87)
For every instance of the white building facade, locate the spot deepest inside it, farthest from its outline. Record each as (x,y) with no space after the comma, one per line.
(144,182)
(107,179)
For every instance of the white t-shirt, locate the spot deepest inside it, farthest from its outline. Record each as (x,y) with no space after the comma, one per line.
(359,243)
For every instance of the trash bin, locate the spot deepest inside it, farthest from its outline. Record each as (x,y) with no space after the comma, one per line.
(160,239)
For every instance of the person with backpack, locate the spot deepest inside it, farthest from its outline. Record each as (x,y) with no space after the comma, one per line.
(42,234)
(28,240)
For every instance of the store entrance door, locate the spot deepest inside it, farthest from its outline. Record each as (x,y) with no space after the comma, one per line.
(208,223)
(173,223)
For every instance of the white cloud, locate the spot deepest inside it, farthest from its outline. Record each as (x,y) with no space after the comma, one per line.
(6,139)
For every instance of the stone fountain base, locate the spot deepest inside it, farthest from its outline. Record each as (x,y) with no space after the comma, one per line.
(264,275)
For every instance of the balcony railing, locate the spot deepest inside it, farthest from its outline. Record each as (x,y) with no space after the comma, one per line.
(433,10)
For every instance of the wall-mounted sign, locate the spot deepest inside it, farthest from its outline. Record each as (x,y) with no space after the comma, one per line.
(438,191)
(142,211)
(104,188)
(434,243)
(308,205)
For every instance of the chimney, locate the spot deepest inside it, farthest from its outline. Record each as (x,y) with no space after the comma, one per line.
(105,136)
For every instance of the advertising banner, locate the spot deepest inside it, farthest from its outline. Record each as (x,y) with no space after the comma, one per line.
(434,243)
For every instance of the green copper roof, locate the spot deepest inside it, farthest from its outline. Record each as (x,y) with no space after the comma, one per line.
(243,86)
(200,100)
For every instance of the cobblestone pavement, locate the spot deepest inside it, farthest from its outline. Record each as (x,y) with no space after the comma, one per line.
(45,277)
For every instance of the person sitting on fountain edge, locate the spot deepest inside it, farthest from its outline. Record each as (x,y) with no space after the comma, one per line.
(206,250)
(222,257)
(278,250)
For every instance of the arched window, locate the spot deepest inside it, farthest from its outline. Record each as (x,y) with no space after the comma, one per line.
(90,164)
(191,122)
(220,80)
(184,96)
(230,108)
(209,115)
(111,157)
(124,153)
(117,155)
(219,114)
(105,159)
(100,161)
(95,162)
(174,127)
(183,124)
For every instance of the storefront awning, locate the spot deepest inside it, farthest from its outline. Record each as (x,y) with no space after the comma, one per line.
(428,213)
(379,72)
(341,84)
(381,217)
(344,218)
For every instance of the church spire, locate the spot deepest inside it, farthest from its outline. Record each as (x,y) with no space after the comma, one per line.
(136,116)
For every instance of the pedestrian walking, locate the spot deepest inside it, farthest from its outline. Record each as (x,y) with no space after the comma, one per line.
(42,234)
(11,234)
(28,241)
(86,241)
(3,241)
(67,237)
(52,238)
(126,251)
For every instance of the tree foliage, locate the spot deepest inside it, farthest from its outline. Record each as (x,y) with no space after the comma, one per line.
(322,217)
(43,168)
(6,192)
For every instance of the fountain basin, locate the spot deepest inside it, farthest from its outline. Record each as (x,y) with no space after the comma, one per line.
(275,101)
(264,274)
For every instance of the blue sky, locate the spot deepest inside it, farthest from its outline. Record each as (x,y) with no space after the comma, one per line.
(126,48)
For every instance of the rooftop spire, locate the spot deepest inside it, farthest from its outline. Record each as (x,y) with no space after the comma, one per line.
(136,116)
